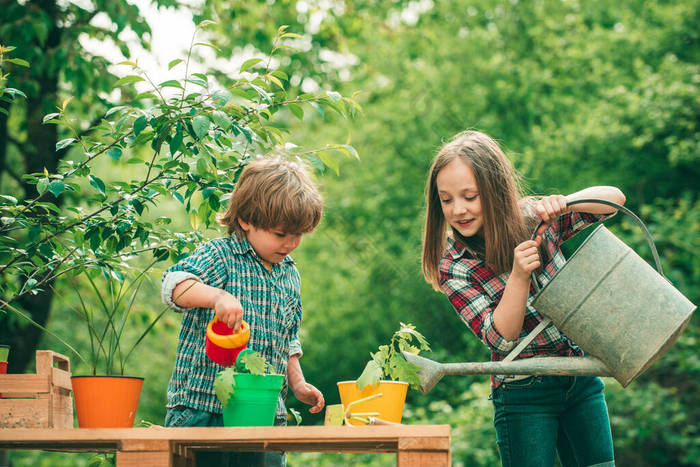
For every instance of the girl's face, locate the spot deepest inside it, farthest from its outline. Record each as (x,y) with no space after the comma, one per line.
(271,245)
(459,197)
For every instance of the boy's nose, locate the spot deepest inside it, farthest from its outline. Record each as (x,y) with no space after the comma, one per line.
(292,241)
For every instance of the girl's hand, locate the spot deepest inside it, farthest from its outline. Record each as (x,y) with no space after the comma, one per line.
(228,309)
(308,394)
(549,209)
(526,259)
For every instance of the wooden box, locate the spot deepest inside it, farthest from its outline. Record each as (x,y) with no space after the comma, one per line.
(42,400)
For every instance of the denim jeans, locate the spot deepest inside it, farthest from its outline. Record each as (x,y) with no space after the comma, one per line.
(541,416)
(185,416)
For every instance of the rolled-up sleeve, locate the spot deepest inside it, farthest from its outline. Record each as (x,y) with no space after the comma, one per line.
(474,307)
(204,265)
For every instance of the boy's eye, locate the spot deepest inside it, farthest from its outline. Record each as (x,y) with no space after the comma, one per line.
(280,234)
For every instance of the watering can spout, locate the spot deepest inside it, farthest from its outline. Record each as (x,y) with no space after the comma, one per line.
(431,371)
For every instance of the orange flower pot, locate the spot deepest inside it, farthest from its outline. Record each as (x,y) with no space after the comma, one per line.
(106,401)
(388,406)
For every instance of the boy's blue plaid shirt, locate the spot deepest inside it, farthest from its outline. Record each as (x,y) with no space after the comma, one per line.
(271,305)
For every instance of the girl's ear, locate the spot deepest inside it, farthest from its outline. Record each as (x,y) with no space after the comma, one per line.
(244,225)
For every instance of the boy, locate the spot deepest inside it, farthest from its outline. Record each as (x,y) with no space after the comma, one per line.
(247,275)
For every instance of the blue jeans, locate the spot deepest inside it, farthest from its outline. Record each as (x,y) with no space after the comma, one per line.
(541,416)
(185,416)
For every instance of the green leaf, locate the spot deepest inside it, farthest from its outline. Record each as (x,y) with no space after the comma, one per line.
(171,83)
(48,117)
(370,375)
(10,199)
(295,414)
(18,61)
(115,153)
(172,63)
(56,187)
(42,184)
(329,161)
(200,124)
(64,143)
(221,120)
(253,362)
(207,44)
(296,110)
(176,140)
(97,183)
(202,167)
(350,151)
(139,125)
(129,79)
(224,385)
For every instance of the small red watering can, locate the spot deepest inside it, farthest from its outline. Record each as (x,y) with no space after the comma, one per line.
(222,344)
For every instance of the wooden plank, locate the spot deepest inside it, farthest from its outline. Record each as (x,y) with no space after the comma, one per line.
(424,444)
(144,459)
(13,385)
(61,379)
(23,413)
(144,445)
(422,459)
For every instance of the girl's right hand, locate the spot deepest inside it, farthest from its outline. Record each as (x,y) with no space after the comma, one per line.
(229,310)
(526,258)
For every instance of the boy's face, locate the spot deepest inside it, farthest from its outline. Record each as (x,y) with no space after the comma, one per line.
(271,245)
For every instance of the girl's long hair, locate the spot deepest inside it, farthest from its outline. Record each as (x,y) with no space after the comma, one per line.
(504,225)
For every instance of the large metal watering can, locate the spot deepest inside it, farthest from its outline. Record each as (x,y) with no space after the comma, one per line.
(607,300)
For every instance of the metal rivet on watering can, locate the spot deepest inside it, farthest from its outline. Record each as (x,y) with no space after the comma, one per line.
(612,304)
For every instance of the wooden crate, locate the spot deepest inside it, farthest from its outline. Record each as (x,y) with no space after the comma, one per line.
(42,400)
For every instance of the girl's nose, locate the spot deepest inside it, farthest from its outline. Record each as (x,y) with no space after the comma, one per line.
(460,206)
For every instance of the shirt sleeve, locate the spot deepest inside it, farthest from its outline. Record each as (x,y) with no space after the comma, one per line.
(571,223)
(206,265)
(295,319)
(474,306)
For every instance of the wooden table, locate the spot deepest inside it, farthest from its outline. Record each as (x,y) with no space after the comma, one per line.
(414,445)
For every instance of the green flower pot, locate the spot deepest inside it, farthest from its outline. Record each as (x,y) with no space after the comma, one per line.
(253,400)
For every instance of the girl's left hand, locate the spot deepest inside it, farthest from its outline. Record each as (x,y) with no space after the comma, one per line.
(549,209)
(308,394)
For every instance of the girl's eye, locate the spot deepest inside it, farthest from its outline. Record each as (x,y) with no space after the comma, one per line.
(445,201)
(470,198)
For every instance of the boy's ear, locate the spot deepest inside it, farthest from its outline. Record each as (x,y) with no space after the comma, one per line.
(244,225)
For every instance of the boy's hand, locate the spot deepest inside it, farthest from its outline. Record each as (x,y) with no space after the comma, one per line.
(308,394)
(228,309)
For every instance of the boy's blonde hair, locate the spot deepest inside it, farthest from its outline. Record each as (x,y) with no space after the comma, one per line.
(504,225)
(274,193)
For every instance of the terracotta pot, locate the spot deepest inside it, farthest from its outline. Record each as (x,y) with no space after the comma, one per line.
(106,401)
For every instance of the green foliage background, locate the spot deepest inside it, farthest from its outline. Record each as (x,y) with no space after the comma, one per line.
(578,93)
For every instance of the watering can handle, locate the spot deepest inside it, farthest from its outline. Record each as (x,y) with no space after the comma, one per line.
(619,207)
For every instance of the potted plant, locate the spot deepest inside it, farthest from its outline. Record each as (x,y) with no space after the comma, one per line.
(383,384)
(248,392)
(107,396)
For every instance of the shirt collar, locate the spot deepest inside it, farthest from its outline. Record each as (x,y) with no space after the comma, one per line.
(242,246)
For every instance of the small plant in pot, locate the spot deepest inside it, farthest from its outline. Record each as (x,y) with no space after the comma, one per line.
(385,380)
(108,397)
(248,392)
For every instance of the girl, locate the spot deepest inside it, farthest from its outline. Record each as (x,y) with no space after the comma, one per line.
(477,250)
